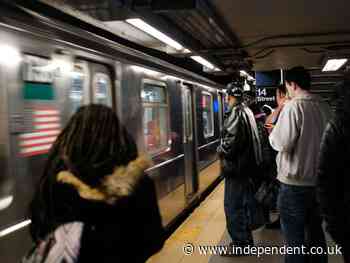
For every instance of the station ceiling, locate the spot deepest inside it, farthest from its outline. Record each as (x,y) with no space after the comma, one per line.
(283,34)
(246,35)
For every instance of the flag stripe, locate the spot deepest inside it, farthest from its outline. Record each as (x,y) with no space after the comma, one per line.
(36,145)
(36,148)
(45,122)
(49,130)
(36,141)
(46,119)
(47,116)
(44,126)
(42,133)
(46,112)
(34,153)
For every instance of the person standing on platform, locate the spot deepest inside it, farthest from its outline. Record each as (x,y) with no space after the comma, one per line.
(240,154)
(297,137)
(267,169)
(270,122)
(333,172)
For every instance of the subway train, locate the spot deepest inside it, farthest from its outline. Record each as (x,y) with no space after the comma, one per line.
(50,68)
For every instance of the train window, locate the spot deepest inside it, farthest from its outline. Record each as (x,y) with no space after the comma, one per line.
(79,80)
(102,89)
(208,115)
(155,116)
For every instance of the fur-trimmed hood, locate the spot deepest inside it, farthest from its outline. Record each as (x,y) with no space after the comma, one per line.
(121,183)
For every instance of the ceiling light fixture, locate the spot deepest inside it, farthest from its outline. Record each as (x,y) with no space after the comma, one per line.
(334,64)
(140,24)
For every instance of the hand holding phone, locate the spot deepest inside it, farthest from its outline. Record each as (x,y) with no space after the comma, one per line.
(269,127)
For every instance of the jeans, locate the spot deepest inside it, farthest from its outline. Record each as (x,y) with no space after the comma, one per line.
(237,194)
(301,222)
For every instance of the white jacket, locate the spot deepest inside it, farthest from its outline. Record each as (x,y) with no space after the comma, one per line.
(297,137)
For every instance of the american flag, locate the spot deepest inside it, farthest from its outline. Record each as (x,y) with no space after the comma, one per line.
(45,123)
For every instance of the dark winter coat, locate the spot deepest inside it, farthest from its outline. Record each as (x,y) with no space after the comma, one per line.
(237,150)
(334,171)
(268,169)
(121,222)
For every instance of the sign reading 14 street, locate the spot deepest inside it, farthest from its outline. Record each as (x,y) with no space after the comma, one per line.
(266,95)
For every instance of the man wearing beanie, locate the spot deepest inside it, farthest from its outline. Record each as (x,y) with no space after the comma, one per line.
(240,154)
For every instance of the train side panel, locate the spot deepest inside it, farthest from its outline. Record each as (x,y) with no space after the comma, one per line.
(52,72)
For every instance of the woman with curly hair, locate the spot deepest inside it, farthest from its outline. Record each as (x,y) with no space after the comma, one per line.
(94,202)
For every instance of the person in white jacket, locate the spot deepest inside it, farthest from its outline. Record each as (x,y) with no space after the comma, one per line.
(297,137)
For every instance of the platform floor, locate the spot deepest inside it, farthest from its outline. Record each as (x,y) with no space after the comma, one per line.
(207,226)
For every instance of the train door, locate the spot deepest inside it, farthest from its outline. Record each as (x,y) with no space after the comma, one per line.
(189,142)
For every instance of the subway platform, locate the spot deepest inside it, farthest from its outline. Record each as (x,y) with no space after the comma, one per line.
(206,226)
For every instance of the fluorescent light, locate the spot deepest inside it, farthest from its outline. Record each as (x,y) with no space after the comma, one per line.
(334,64)
(203,61)
(14,228)
(187,50)
(140,24)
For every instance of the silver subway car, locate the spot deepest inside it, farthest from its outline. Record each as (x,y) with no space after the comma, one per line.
(48,69)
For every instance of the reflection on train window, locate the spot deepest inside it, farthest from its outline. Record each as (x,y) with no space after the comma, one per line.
(76,94)
(155,117)
(102,89)
(208,115)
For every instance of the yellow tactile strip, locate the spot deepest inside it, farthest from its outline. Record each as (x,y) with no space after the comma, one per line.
(204,226)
